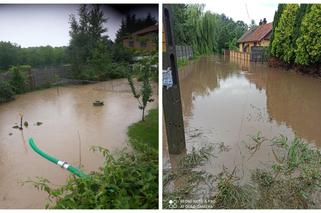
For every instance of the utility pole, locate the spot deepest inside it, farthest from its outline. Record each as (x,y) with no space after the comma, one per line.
(172,105)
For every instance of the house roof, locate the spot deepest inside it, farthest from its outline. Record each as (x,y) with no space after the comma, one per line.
(257,33)
(153,28)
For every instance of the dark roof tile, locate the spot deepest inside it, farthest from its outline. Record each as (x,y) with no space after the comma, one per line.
(256,34)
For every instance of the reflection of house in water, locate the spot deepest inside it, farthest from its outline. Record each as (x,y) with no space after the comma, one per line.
(292,99)
(144,39)
(257,36)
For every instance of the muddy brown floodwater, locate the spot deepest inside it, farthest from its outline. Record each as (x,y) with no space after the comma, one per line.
(71,126)
(227,100)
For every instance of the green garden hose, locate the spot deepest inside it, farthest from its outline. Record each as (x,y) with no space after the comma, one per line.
(62,164)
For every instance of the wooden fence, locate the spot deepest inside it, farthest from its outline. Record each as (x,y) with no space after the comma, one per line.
(38,77)
(184,52)
(240,58)
(239,55)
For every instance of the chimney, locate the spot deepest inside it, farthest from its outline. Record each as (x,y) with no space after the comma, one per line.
(260,23)
(264,21)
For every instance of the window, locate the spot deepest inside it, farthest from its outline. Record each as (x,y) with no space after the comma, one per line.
(143,44)
(131,43)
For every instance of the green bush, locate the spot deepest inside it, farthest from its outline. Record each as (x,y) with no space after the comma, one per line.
(308,44)
(129,181)
(18,80)
(6,92)
(182,62)
(119,70)
(283,45)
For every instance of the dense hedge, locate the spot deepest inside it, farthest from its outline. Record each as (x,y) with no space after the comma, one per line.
(297,34)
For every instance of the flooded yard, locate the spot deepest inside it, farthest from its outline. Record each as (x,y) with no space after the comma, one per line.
(71,125)
(226,101)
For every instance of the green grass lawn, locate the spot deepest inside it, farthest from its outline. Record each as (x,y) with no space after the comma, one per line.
(145,132)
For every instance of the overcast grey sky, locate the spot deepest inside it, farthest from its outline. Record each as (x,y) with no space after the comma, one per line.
(40,25)
(244,10)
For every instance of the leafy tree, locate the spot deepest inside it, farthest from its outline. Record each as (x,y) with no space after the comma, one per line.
(283,43)
(18,80)
(132,24)
(14,55)
(276,20)
(89,47)
(308,44)
(253,24)
(145,69)
(206,32)
(6,91)
(304,8)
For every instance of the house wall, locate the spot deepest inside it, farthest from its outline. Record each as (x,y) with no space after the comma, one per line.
(265,43)
(137,42)
(262,43)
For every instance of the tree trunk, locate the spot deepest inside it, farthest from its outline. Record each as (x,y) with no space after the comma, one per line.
(143,115)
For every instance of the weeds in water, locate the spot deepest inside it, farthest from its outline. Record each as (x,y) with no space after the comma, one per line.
(196,158)
(230,194)
(293,181)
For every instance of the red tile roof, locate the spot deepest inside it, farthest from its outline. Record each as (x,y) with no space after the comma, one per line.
(256,34)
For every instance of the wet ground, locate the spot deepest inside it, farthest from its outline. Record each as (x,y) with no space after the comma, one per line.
(226,101)
(71,125)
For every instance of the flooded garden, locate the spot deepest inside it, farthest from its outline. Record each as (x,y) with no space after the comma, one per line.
(64,123)
(232,110)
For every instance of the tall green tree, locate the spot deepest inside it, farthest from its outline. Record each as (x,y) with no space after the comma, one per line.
(276,20)
(89,47)
(14,55)
(309,42)
(304,8)
(206,32)
(131,24)
(283,44)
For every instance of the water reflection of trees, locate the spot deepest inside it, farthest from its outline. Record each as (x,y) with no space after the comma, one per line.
(202,77)
(292,99)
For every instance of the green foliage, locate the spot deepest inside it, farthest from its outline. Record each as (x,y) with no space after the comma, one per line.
(145,69)
(276,20)
(304,8)
(291,181)
(308,44)
(14,55)
(182,62)
(8,55)
(206,32)
(122,54)
(231,195)
(129,181)
(132,24)
(89,47)
(283,45)
(6,91)
(296,34)
(18,80)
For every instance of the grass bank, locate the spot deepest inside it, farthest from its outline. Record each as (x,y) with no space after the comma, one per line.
(129,181)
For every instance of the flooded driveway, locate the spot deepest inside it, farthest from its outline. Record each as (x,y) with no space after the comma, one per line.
(71,126)
(227,101)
